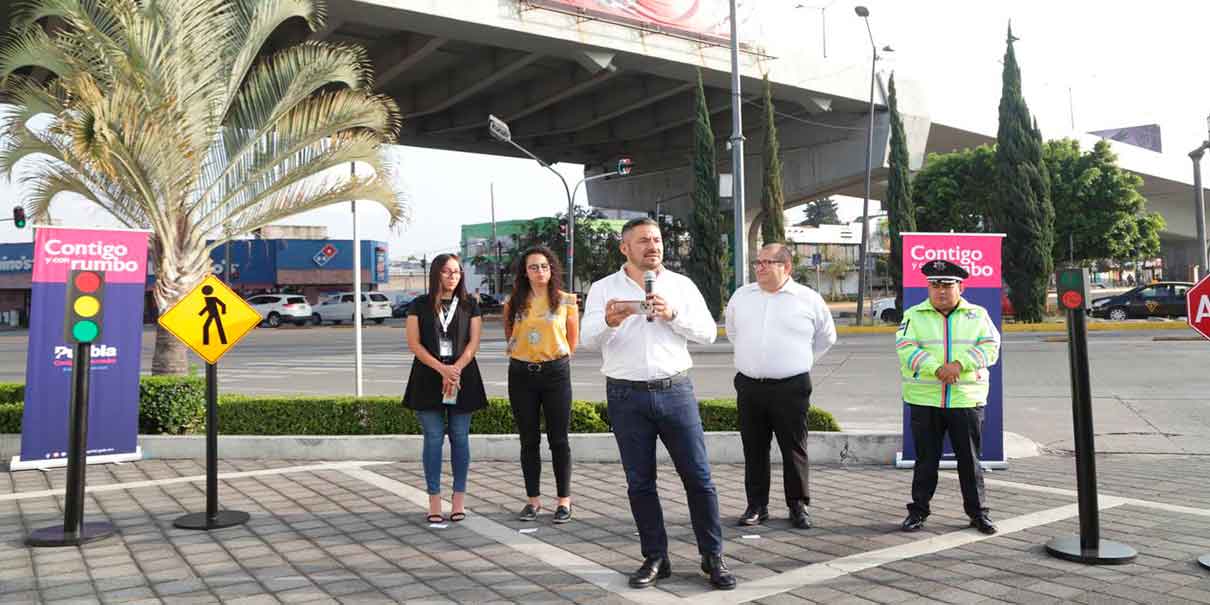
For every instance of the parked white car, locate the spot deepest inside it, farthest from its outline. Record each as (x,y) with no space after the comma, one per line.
(884,309)
(277,308)
(339,307)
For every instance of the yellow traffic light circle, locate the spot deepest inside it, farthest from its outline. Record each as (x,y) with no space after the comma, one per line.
(86,306)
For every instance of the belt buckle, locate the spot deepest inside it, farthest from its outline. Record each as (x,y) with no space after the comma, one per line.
(662,384)
(533,367)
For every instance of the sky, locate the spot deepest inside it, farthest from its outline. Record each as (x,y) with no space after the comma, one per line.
(1097,64)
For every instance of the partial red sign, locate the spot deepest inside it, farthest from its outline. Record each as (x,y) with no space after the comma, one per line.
(709,18)
(1198,311)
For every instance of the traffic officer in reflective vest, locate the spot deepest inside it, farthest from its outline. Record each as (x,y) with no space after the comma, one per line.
(946,346)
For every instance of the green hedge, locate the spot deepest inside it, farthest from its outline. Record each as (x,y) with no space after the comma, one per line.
(175,405)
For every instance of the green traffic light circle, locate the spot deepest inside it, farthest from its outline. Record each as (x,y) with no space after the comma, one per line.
(85,331)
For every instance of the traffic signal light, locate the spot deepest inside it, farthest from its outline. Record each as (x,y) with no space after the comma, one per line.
(85,300)
(19,216)
(1072,288)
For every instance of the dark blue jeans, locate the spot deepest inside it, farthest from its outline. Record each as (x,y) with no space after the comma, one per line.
(639,416)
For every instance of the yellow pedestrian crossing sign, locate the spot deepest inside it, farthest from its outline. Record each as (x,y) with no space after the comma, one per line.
(210,319)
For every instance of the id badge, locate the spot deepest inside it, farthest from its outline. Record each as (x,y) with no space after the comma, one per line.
(445,347)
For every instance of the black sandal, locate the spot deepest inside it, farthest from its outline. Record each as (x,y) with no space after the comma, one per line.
(456,517)
(435,518)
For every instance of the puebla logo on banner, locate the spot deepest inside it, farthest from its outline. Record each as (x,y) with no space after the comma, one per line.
(114,373)
(980,255)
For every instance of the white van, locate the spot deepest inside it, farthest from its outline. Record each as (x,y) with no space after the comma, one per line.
(337,308)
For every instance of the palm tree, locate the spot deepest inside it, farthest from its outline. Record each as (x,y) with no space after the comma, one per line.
(178,117)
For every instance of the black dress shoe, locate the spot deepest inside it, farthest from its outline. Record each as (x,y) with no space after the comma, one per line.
(716,568)
(653,568)
(800,517)
(913,522)
(755,515)
(529,513)
(562,514)
(983,523)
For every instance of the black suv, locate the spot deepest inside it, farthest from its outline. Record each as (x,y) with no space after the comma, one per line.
(1160,299)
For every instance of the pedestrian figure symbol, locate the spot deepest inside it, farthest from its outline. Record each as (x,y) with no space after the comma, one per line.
(212,308)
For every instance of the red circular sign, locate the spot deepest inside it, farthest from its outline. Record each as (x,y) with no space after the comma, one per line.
(88,281)
(1073,300)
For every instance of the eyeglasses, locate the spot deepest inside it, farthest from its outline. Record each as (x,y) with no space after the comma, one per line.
(537,268)
(449,272)
(760,262)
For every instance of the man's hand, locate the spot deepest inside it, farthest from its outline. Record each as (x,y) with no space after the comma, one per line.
(660,307)
(948,373)
(616,311)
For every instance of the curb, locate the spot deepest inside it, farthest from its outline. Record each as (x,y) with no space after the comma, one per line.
(845,447)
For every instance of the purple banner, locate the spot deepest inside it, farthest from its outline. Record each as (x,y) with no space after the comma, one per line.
(114,381)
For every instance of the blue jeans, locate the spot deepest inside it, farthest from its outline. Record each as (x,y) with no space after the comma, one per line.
(639,416)
(434,425)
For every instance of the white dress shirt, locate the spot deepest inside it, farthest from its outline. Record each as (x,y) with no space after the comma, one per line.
(638,349)
(778,334)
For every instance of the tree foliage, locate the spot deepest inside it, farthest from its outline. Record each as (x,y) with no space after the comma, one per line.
(819,212)
(1025,212)
(184,118)
(956,191)
(597,243)
(901,215)
(772,200)
(1097,204)
(706,257)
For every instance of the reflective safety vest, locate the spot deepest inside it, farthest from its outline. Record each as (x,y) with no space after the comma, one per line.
(926,340)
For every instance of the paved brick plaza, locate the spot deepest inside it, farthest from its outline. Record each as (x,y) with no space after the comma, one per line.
(354,533)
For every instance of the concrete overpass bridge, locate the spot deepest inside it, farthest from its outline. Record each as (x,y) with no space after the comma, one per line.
(590,87)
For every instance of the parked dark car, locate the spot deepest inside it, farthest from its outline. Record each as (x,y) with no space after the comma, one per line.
(489,303)
(1159,299)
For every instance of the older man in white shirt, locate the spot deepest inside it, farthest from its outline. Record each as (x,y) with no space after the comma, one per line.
(780,329)
(646,360)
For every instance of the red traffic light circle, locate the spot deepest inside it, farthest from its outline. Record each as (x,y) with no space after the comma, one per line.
(1072,300)
(87,281)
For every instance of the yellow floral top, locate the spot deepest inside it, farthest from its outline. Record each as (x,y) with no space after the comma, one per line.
(541,335)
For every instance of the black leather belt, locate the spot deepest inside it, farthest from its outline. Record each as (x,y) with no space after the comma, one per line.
(659,384)
(538,368)
(773,380)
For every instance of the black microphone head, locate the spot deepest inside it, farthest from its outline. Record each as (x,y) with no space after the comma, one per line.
(648,278)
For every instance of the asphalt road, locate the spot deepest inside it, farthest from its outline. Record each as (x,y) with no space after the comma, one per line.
(1149,395)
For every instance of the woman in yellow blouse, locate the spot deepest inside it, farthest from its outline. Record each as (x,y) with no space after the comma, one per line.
(542,325)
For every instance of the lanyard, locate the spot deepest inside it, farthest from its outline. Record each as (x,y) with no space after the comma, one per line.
(447,316)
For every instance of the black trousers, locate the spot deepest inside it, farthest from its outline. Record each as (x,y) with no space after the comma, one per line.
(965,428)
(537,392)
(768,408)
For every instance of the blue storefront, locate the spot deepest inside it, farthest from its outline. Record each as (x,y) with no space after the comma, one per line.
(311,267)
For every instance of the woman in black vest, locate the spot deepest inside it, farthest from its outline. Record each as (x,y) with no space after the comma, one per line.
(445,387)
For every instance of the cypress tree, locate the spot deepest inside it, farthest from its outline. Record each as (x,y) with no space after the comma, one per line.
(901,213)
(705,257)
(772,199)
(1025,212)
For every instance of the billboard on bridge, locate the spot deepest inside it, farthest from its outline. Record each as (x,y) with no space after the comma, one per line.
(697,18)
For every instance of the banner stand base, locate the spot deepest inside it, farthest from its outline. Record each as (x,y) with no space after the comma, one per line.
(1106,553)
(58,536)
(950,463)
(1204,561)
(223,518)
(17,464)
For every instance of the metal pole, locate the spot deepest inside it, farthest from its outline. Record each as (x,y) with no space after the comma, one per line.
(737,158)
(227,261)
(211,442)
(73,504)
(356,295)
(496,243)
(1199,206)
(1081,397)
(865,205)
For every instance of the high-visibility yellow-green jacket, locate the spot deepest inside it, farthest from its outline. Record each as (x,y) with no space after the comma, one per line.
(926,340)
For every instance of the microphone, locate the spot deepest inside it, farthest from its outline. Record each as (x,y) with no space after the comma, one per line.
(648,286)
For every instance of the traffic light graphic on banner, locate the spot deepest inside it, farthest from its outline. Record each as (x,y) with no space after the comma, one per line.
(1072,286)
(85,302)
(19,217)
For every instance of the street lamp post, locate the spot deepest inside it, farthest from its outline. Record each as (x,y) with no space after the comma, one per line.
(863,249)
(500,131)
(737,158)
(1199,205)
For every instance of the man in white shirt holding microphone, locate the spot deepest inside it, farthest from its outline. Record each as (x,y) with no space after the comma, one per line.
(641,318)
(780,329)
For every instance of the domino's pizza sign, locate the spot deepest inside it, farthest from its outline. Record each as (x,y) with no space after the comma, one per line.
(324,255)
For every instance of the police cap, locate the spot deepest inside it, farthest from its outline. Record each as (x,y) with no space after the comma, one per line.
(943,271)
